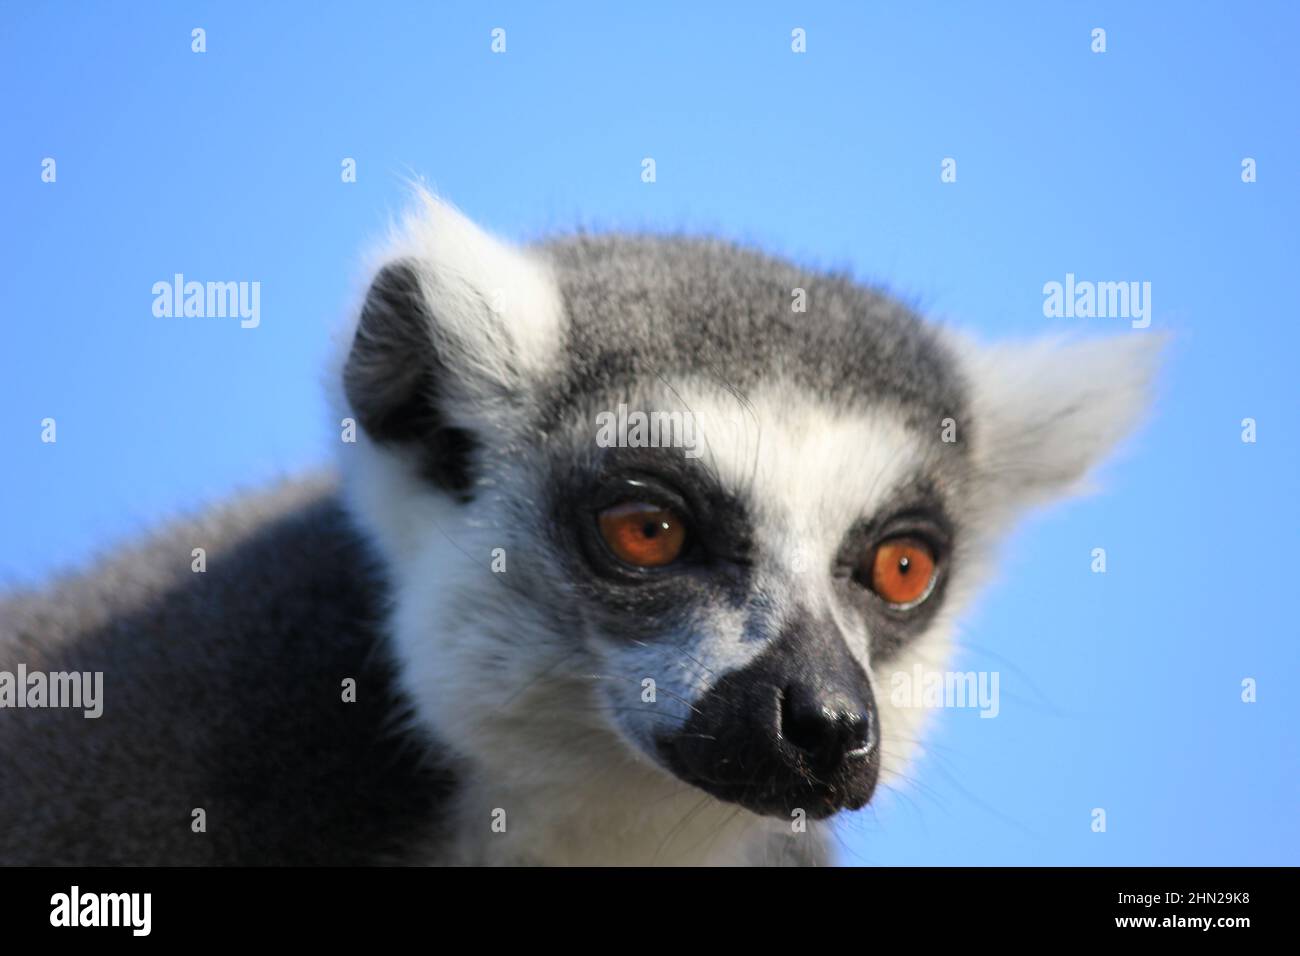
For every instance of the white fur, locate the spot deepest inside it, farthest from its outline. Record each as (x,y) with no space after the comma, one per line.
(1046,411)
(496,312)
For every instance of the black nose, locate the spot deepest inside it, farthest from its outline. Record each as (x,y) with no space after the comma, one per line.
(794,729)
(828,726)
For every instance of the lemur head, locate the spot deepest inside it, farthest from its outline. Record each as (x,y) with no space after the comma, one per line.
(669,507)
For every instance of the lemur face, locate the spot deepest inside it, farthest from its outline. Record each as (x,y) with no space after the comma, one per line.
(757,587)
(719,601)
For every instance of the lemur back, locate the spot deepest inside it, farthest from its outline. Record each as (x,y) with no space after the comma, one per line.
(224,693)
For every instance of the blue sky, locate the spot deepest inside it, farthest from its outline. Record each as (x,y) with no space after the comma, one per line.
(1119,690)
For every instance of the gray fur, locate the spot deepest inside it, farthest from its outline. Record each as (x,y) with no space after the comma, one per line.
(641,308)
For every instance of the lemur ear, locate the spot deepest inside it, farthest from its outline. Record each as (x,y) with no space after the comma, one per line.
(453,329)
(394,378)
(1046,412)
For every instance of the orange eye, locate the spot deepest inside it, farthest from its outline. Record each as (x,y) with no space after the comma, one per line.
(643,535)
(902,570)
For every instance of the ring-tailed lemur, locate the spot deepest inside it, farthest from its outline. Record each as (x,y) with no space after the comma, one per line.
(508,636)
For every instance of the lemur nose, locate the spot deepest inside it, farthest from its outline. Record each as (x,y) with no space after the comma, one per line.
(828,726)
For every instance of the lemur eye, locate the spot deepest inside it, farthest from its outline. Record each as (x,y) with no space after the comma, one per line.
(643,535)
(901,570)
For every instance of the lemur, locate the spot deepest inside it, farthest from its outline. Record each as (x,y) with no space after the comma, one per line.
(493,639)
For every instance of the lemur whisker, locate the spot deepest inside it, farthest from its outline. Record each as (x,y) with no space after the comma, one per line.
(563,708)
(709,462)
(1043,700)
(924,790)
(748,406)
(681,825)
(902,794)
(634,680)
(717,830)
(680,650)
(545,675)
